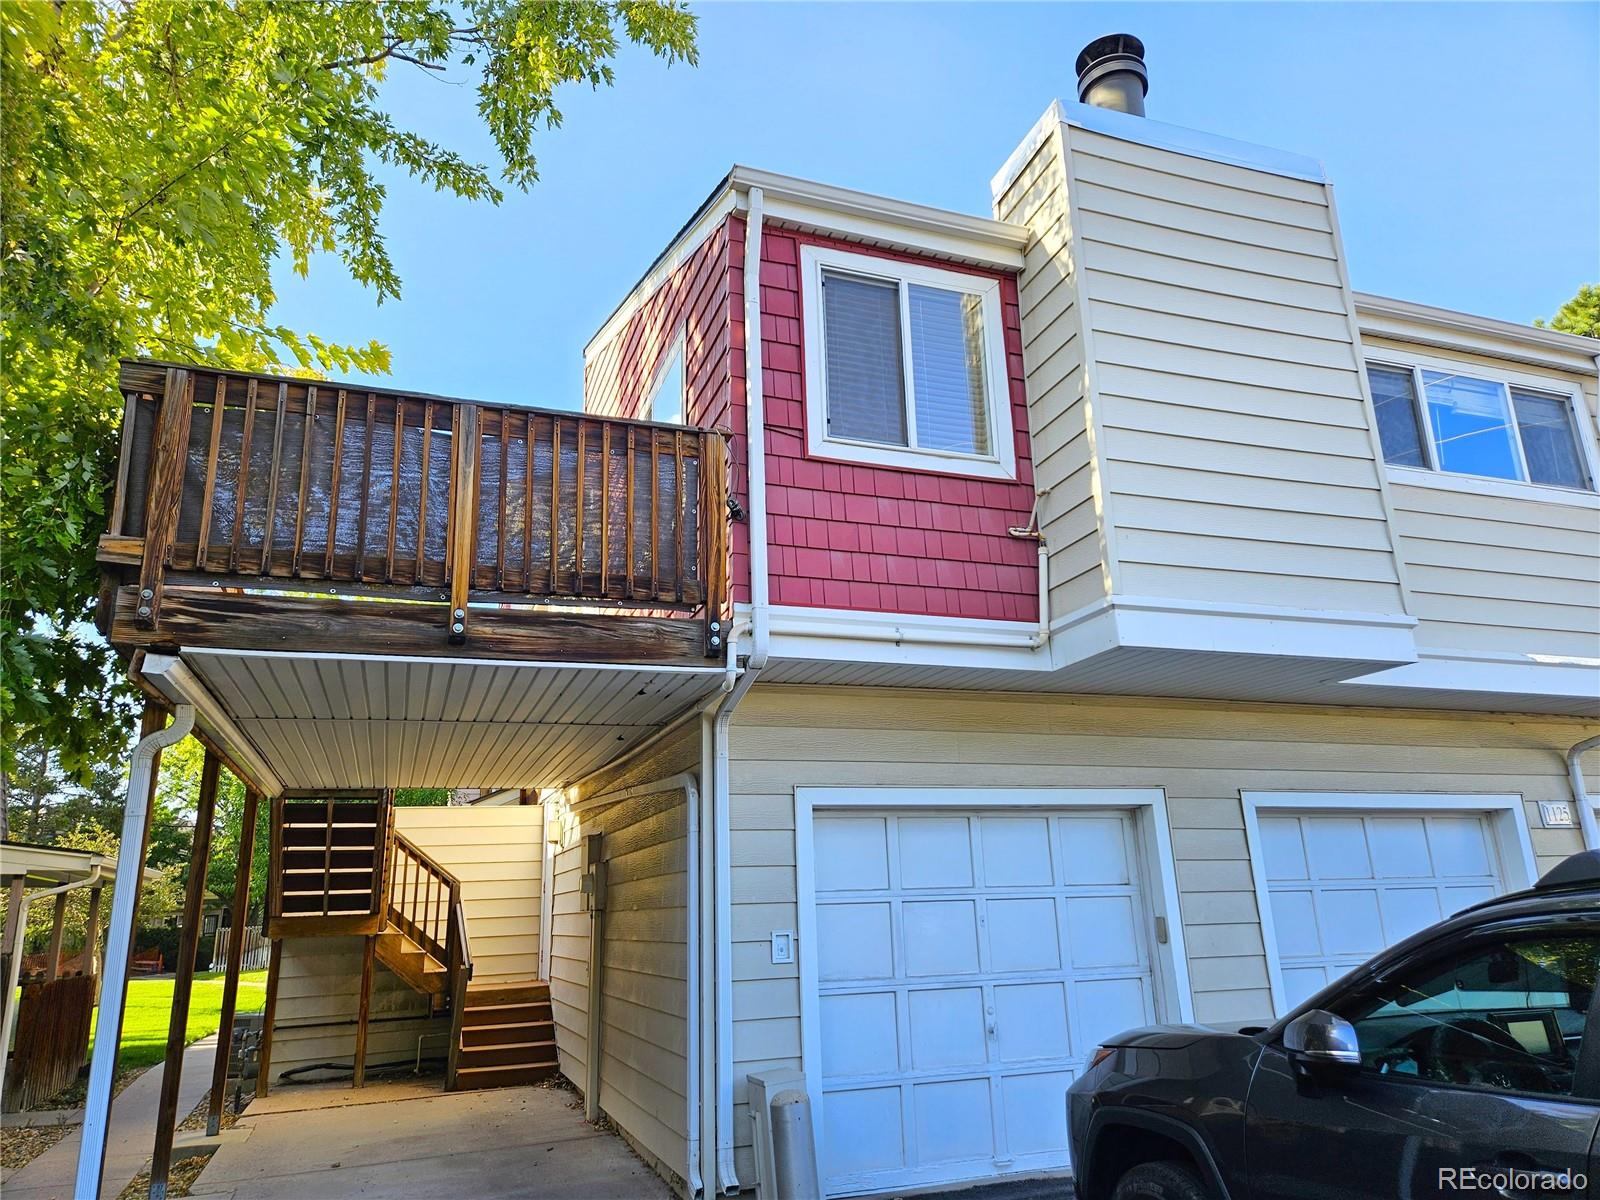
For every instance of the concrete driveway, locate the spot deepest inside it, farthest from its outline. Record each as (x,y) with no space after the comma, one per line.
(403,1140)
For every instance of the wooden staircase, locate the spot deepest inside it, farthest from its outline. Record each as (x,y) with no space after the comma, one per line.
(506,1036)
(340,867)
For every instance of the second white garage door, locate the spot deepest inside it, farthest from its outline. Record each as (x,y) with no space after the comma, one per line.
(1343,886)
(967,965)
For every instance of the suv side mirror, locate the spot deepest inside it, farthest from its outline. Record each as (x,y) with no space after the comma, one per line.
(1320,1038)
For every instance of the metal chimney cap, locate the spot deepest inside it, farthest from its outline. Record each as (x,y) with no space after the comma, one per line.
(1109,54)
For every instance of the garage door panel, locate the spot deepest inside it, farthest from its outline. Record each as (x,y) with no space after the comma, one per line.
(1339,849)
(864,1131)
(1094,850)
(1016,852)
(860,1034)
(1013,943)
(1406,910)
(852,853)
(1101,932)
(935,852)
(1400,848)
(954,1120)
(947,1028)
(1349,920)
(1341,886)
(1108,1006)
(860,941)
(1459,847)
(941,937)
(1023,935)
(1036,1119)
(1284,849)
(1031,1020)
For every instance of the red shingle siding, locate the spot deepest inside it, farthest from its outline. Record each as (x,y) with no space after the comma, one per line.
(883,539)
(694,298)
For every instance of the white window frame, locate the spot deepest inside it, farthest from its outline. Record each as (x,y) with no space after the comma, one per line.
(674,350)
(1433,475)
(1158,882)
(1508,826)
(1000,462)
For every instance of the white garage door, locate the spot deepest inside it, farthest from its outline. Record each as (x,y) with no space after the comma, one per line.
(1344,886)
(967,965)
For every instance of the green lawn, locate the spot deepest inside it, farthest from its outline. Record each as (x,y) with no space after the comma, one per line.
(144,1025)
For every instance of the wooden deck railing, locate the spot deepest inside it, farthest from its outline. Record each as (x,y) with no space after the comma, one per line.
(422,895)
(262,481)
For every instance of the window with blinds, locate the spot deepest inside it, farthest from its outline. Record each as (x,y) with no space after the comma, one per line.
(907,357)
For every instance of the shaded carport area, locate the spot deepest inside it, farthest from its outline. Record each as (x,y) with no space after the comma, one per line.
(288,722)
(411,1142)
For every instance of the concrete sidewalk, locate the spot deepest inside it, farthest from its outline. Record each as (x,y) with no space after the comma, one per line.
(132,1137)
(401,1141)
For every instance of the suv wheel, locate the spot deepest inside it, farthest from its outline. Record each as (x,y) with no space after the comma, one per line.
(1161,1181)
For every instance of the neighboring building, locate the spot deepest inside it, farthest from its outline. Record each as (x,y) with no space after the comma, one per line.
(1129,623)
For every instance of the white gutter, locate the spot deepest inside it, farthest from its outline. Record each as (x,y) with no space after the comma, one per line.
(14,975)
(119,946)
(1580,797)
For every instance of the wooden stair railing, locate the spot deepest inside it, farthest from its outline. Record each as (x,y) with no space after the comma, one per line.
(424,910)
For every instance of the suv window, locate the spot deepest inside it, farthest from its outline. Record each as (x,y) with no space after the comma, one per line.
(1504,1017)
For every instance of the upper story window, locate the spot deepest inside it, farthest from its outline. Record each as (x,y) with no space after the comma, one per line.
(905,365)
(1466,424)
(666,398)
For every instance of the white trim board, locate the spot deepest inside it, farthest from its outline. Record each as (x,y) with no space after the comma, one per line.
(1158,881)
(1508,826)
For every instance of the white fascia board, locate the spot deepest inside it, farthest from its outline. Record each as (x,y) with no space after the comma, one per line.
(1156,623)
(180,684)
(844,635)
(1502,677)
(912,227)
(1386,317)
(1195,143)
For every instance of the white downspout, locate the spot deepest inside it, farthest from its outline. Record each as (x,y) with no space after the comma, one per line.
(14,974)
(119,944)
(1580,797)
(714,740)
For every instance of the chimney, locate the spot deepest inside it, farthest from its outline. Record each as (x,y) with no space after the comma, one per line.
(1111,74)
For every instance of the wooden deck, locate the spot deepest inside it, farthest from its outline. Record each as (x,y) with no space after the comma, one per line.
(265,513)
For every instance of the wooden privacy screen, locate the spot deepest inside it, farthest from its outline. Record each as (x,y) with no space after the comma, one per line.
(327,860)
(289,479)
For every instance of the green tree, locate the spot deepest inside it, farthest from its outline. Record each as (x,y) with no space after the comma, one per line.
(1580,315)
(158,156)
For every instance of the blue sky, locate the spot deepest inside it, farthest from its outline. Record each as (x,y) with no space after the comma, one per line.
(1461,139)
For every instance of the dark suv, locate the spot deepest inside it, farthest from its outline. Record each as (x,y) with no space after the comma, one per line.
(1465,1060)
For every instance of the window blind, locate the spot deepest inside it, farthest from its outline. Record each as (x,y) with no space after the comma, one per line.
(947,370)
(861,340)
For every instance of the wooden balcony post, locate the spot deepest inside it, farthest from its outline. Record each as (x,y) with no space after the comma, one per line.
(358,1076)
(183,982)
(230,982)
(268,1018)
(464,502)
(170,456)
(714,539)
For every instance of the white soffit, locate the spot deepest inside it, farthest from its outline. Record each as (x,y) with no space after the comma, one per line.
(364,721)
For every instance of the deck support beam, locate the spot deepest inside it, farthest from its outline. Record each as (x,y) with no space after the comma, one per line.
(369,947)
(183,983)
(268,1018)
(230,983)
(58,924)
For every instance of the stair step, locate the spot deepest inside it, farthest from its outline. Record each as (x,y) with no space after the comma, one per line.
(532,992)
(511,1054)
(504,1014)
(495,1035)
(472,1078)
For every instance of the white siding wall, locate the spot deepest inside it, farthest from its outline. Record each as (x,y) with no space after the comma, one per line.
(644,1003)
(497,853)
(319,996)
(1202,755)
(1239,460)
(1491,572)
(1064,464)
